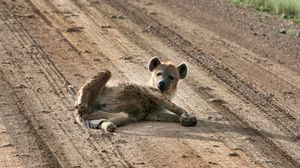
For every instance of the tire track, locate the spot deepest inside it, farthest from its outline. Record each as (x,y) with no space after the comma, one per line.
(117,155)
(22,131)
(57,81)
(38,55)
(39,123)
(51,80)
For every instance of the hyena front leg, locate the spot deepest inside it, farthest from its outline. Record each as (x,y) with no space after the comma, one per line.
(167,104)
(185,119)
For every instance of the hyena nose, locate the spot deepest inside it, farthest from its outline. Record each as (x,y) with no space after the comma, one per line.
(162,85)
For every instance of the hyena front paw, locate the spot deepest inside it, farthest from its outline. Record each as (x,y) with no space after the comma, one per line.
(188,121)
(108,126)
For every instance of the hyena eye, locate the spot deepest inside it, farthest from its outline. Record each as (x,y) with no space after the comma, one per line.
(158,74)
(171,77)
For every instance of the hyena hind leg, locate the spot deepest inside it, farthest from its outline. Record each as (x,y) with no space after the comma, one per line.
(90,90)
(106,121)
(88,94)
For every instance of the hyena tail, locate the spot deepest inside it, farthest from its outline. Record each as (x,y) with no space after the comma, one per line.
(88,94)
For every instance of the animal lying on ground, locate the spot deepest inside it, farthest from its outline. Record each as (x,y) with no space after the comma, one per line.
(107,107)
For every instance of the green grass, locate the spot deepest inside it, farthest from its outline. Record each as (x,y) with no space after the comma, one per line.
(289,9)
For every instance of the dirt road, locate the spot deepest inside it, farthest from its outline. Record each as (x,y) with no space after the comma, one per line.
(243,83)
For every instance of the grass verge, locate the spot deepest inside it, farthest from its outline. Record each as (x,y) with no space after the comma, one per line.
(289,9)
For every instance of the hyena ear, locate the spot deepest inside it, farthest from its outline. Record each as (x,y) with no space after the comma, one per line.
(182,69)
(154,63)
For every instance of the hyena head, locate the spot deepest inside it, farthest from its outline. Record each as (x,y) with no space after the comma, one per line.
(165,76)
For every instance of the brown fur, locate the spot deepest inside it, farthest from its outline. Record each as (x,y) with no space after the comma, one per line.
(118,105)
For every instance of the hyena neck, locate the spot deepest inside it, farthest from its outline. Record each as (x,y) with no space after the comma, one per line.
(168,94)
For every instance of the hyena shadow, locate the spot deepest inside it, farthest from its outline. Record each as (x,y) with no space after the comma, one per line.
(204,131)
(166,130)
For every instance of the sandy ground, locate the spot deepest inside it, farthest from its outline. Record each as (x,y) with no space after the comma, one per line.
(243,83)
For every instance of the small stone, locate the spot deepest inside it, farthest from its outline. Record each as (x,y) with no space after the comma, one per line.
(283,31)
(288,93)
(113,17)
(45,111)
(269,161)
(2,132)
(148,28)
(297,137)
(184,156)
(152,13)
(76,166)
(74,29)
(6,62)
(217,100)
(213,163)
(96,59)
(7,145)
(29,15)
(106,26)
(237,149)
(104,151)
(117,17)
(140,163)
(233,155)
(21,86)
(121,17)
(284,16)
(127,58)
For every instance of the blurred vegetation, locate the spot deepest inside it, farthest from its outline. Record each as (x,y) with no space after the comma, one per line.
(289,9)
